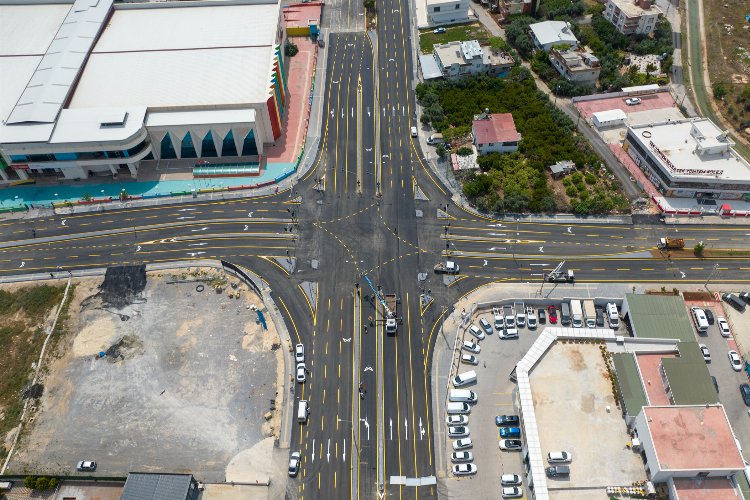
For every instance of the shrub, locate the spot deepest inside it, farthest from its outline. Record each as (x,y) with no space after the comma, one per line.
(290,49)
(464,151)
(571,191)
(590,179)
(698,248)
(441,151)
(720,90)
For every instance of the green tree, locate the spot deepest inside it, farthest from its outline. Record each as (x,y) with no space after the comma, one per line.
(290,49)
(441,151)
(698,248)
(720,91)
(369,4)
(464,151)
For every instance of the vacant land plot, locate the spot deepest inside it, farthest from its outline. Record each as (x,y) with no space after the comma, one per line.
(474,31)
(184,384)
(26,315)
(576,412)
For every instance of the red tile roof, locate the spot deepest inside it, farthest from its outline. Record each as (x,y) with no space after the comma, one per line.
(496,128)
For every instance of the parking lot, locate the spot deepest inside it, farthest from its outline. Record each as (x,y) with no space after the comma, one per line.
(576,412)
(184,385)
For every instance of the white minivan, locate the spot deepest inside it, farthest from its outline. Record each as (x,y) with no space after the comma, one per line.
(302,411)
(462,396)
(701,322)
(613,315)
(414,131)
(464,378)
(458,408)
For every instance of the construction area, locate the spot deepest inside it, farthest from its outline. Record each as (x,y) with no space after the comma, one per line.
(169,371)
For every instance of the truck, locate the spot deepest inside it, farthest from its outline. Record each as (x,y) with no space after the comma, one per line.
(560,276)
(449,267)
(391,305)
(667,243)
(590,312)
(520,309)
(576,313)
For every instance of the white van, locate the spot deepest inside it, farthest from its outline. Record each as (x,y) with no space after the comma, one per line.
(701,322)
(435,139)
(613,315)
(414,131)
(465,378)
(462,396)
(302,411)
(458,408)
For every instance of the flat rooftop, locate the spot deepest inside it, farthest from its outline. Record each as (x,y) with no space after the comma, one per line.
(693,438)
(674,144)
(715,488)
(659,317)
(630,9)
(193,56)
(648,365)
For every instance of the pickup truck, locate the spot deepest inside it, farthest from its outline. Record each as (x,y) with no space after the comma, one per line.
(670,244)
(449,267)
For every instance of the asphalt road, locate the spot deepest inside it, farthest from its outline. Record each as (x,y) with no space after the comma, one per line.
(355,214)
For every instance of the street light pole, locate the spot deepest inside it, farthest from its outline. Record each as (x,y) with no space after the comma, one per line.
(716,266)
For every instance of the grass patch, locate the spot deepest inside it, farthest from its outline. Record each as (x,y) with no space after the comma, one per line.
(462,32)
(22,316)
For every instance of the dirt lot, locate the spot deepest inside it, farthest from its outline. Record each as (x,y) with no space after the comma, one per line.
(184,384)
(576,412)
(728,45)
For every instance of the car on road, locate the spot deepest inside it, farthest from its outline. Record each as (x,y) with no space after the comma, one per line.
(299,353)
(501,420)
(542,316)
(512,492)
(458,432)
(457,420)
(724,327)
(438,31)
(485,326)
(470,346)
(301,373)
(469,359)
(474,330)
(464,469)
(735,361)
(510,444)
(632,101)
(709,316)
(552,314)
(510,480)
(559,457)
(294,464)
(510,432)
(86,466)
(745,391)
(705,352)
(462,444)
(462,456)
(508,333)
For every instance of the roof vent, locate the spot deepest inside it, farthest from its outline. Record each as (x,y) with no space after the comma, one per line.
(115,121)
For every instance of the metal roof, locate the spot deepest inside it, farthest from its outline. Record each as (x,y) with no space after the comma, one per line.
(147,486)
(553,32)
(659,317)
(688,376)
(48,88)
(629,380)
(429,66)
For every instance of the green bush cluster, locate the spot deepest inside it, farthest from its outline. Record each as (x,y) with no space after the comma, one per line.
(40,482)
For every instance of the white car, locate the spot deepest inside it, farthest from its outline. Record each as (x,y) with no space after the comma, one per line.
(301,373)
(457,420)
(469,359)
(723,327)
(510,480)
(474,330)
(512,492)
(462,456)
(704,351)
(86,465)
(559,457)
(299,353)
(462,444)
(632,101)
(735,361)
(508,333)
(458,432)
(464,469)
(294,464)
(471,347)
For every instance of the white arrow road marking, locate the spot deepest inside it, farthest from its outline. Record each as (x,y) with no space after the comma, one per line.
(249,215)
(497,248)
(342,113)
(63,221)
(347,340)
(368,111)
(197,244)
(390,424)
(570,229)
(186,210)
(496,225)
(352,112)
(313,451)
(245,228)
(201,229)
(368,149)
(328,451)
(421,429)
(183,218)
(391,59)
(23,263)
(498,234)
(406,429)
(368,368)
(386,156)
(682,274)
(344,450)
(331,113)
(383,107)
(193,254)
(541,249)
(138,249)
(367,426)
(485,263)
(542,265)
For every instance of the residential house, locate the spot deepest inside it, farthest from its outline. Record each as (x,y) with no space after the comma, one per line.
(456,59)
(577,66)
(548,34)
(495,133)
(633,17)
